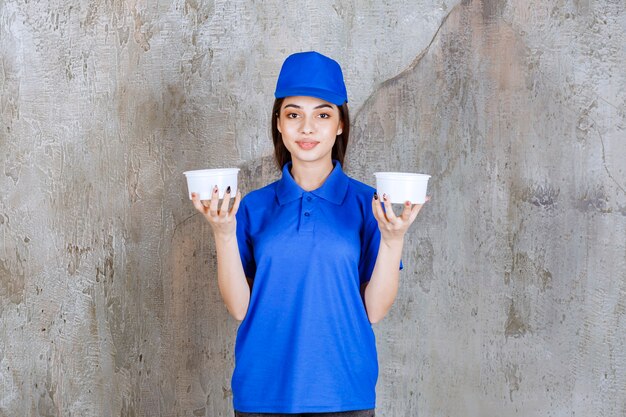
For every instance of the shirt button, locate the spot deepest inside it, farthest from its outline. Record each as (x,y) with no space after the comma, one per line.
(307,214)
(309,198)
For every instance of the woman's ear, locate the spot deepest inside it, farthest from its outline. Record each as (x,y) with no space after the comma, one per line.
(340,129)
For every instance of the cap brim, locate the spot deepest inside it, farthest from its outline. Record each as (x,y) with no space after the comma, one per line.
(326,95)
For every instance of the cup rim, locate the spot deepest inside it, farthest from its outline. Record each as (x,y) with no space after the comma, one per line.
(212,171)
(400,175)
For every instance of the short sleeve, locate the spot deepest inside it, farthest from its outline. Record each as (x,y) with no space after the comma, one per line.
(370,241)
(244,241)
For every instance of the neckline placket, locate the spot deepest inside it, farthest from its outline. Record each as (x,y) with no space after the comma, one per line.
(307,212)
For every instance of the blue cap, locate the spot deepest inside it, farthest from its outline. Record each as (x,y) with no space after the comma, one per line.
(311,74)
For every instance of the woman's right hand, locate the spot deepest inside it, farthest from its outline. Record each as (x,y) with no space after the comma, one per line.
(221,219)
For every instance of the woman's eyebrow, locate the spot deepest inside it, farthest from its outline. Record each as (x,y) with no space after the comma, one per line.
(316,107)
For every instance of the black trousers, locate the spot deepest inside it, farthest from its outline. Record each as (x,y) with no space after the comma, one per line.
(357,413)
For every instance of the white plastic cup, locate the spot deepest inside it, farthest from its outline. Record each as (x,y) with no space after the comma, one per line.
(202,181)
(402,186)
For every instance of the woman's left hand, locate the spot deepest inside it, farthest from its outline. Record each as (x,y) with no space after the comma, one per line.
(392,227)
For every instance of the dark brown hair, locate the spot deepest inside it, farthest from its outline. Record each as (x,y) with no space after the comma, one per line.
(282,155)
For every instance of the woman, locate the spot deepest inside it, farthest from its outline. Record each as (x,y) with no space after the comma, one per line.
(307,262)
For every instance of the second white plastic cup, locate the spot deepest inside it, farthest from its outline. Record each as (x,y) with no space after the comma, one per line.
(402,186)
(202,181)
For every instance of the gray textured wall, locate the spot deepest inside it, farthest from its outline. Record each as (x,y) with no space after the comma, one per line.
(513,300)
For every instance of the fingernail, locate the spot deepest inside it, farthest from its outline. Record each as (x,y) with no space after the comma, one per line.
(375,196)
(215,189)
(385,197)
(408,203)
(228,190)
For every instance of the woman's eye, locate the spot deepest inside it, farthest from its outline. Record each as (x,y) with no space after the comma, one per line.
(291,115)
(324,115)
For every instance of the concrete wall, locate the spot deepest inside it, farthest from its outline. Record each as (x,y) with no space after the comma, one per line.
(513,299)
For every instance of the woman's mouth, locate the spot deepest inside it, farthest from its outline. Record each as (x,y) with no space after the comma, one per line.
(306,145)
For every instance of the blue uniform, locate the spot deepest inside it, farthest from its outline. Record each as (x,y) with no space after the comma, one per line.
(306,344)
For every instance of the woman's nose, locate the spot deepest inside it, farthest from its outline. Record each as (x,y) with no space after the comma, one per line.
(307,125)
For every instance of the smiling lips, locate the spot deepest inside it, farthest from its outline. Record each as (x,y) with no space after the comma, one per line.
(306,145)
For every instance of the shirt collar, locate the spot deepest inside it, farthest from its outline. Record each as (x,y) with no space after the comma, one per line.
(334,188)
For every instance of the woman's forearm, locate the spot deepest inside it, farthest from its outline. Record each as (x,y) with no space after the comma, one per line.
(382,288)
(231,279)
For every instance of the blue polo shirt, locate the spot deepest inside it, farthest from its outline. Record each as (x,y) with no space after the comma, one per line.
(306,344)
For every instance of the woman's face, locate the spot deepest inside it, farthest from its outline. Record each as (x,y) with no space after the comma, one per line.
(309,126)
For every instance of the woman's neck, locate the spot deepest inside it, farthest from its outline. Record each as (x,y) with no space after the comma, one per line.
(311,176)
